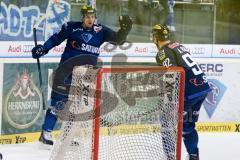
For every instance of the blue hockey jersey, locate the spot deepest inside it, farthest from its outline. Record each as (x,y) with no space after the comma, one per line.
(174,54)
(83,41)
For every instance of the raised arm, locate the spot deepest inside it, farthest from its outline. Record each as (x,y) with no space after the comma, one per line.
(53,41)
(120,36)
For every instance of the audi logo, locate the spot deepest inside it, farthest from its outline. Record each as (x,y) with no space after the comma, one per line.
(27,48)
(198,50)
(110,47)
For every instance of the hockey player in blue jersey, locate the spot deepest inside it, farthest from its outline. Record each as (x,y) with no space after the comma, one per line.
(83,41)
(196,84)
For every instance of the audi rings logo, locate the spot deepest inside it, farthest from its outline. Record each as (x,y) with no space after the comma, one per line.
(198,50)
(109,47)
(27,48)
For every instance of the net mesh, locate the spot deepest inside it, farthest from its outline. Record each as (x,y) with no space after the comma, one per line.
(138,118)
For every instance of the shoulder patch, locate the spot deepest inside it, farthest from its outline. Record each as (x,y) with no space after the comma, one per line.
(97,28)
(161,55)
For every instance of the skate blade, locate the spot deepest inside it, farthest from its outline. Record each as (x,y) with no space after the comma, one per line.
(44,146)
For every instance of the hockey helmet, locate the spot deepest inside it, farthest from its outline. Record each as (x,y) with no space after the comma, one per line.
(161,32)
(88,10)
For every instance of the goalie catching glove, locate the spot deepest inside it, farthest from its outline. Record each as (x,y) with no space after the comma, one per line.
(38,51)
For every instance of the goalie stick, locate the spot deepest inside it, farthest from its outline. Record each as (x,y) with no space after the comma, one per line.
(39,68)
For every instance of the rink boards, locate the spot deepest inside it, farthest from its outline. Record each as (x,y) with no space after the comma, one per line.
(22,115)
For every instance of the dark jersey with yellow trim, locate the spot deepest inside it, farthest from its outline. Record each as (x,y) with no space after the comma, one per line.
(174,54)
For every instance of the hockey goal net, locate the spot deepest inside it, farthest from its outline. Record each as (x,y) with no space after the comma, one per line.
(122,114)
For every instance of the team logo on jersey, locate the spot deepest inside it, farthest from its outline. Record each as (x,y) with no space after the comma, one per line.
(213,98)
(161,55)
(77,29)
(87,37)
(23,103)
(97,28)
(90,48)
(75,45)
(196,82)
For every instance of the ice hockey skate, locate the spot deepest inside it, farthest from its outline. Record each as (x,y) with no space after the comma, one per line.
(45,140)
(193,156)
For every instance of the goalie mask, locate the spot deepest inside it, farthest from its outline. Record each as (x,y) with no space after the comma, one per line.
(88,10)
(160,32)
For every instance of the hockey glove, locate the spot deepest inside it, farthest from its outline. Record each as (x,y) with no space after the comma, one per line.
(38,51)
(125,22)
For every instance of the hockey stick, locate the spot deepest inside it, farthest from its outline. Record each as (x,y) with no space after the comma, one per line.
(39,68)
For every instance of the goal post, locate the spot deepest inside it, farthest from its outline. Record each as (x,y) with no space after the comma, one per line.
(123,113)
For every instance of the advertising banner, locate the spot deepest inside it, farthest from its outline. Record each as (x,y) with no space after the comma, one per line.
(11,49)
(200,50)
(22,49)
(17,20)
(226,51)
(222,104)
(150,50)
(22,103)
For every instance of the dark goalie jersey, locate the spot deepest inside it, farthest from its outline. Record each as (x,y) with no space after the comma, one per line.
(174,54)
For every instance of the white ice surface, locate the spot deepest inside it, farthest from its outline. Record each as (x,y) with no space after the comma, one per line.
(213,146)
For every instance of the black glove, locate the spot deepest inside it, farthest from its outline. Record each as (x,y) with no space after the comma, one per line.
(125,22)
(38,51)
